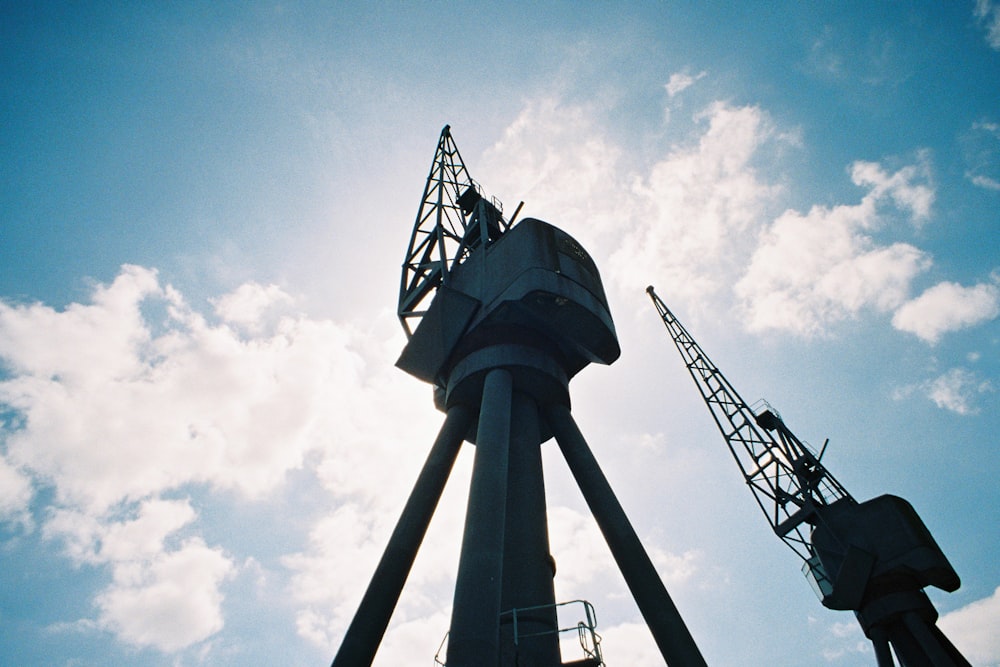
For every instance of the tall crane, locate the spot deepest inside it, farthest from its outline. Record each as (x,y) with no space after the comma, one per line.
(874,557)
(498,318)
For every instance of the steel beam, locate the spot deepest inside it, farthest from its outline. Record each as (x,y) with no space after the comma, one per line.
(474,638)
(675,642)
(370,621)
(528,567)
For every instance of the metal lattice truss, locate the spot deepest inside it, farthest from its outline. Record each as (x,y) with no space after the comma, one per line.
(452,221)
(786,477)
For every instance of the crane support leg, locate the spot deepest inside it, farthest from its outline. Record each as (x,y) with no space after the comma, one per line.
(475,616)
(926,644)
(883,655)
(675,642)
(368,626)
(530,637)
(906,621)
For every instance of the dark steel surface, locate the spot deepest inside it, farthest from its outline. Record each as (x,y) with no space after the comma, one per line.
(527,562)
(370,621)
(668,628)
(453,220)
(473,640)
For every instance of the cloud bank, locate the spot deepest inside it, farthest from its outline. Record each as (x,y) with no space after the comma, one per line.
(123,403)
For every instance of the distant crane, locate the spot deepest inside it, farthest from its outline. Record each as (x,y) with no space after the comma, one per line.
(873,557)
(498,319)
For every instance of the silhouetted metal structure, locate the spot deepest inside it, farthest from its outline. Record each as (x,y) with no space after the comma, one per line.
(499,318)
(874,557)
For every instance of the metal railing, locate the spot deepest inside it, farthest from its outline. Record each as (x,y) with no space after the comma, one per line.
(586,630)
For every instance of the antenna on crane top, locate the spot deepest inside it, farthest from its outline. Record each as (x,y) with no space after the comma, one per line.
(498,319)
(873,557)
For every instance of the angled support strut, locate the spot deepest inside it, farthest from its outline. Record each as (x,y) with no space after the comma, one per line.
(370,621)
(664,620)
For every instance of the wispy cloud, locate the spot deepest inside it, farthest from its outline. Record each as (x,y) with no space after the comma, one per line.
(956,390)
(844,639)
(987,13)
(981,151)
(681,81)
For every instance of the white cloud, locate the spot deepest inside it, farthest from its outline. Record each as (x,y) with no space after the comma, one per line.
(844,639)
(112,411)
(985,182)
(900,186)
(582,554)
(988,127)
(956,390)
(249,303)
(693,221)
(631,644)
(981,150)
(332,575)
(681,81)
(368,476)
(106,335)
(580,550)
(170,602)
(685,219)
(15,494)
(695,215)
(160,597)
(97,539)
(948,307)
(973,630)
(810,270)
(564,168)
(988,14)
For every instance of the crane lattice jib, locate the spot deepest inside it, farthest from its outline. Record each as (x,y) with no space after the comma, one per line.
(786,477)
(453,220)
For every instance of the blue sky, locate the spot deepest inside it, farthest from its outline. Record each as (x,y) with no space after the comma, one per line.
(204,207)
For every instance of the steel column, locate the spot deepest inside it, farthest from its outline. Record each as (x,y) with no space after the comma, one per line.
(883,655)
(675,642)
(473,640)
(527,566)
(934,647)
(370,621)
